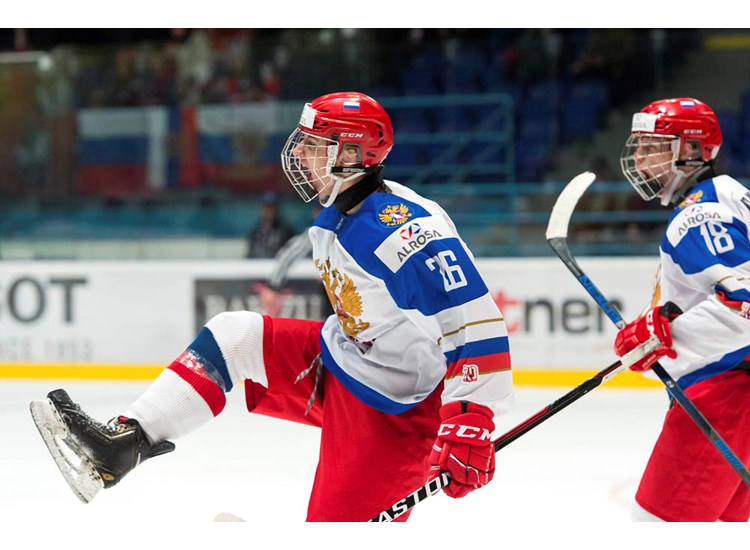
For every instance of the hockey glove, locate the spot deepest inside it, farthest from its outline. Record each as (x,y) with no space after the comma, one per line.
(654,323)
(464,447)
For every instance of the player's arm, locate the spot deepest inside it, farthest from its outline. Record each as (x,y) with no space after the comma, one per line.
(443,286)
(712,335)
(443,293)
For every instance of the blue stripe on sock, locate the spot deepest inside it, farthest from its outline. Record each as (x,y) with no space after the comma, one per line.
(206,347)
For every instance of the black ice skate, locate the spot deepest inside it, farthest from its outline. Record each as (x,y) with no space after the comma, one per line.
(91,455)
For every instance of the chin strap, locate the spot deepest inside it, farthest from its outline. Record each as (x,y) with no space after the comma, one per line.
(348,199)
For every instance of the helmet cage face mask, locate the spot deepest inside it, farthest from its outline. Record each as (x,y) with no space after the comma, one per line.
(649,162)
(306,158)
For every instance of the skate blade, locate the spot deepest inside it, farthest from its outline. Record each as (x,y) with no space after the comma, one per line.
(227,516)
(78,471)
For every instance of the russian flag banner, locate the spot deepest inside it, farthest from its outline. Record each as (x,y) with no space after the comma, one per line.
(123,151)
(239,146)
(138,150)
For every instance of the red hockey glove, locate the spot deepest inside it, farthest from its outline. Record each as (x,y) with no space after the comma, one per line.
(654,323)
(464,447)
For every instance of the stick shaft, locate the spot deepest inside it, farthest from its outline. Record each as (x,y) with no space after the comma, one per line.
(433,486)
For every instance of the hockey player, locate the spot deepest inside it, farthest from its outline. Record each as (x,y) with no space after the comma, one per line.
(404,379)
(705,270)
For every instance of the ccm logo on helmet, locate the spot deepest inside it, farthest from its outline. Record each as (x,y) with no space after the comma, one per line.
(467,432)
(351,135)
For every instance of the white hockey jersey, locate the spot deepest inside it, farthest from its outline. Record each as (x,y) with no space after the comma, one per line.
(411,309)
(705,270)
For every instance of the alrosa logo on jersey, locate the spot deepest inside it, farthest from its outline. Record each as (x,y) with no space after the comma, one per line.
(746,200)
(696,215)
(394,214)
(418,241)
(400,245)
(408,232)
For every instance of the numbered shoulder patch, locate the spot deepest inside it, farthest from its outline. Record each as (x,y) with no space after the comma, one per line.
(717,238)
(450,270)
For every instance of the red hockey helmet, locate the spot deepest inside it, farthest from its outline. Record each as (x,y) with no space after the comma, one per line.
(667,125)
(690,120)
(353,117)
(342,121)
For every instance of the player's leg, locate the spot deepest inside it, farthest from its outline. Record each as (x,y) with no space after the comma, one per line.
(288,388)
(738,508)
(186,395)
(686,478)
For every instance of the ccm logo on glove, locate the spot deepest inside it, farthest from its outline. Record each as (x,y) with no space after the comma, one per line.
(469,432)
(464,447)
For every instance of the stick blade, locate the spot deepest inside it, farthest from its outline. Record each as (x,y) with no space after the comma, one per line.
(557,227)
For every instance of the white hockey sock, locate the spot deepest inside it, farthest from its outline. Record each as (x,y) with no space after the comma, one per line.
(169,408)
(184,396)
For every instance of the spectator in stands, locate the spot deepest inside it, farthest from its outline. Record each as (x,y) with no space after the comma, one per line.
(271,232)
(192,51)
(537,51)
(610,54)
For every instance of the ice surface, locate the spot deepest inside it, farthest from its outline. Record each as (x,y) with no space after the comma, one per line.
(569,481)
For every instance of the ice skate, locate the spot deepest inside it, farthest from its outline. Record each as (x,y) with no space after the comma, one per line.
(91,455)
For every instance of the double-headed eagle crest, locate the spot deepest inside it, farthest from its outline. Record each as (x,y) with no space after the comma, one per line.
(343,295)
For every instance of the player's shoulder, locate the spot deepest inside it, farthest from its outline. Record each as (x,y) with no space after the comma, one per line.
(400,223)
(391,211)
(712,200)
(722,190)
(396,192)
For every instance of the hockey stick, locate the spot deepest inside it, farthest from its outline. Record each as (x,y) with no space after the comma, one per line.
(435,485)
(557,237)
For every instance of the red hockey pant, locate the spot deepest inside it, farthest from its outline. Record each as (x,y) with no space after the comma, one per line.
(687,478)
(368,459)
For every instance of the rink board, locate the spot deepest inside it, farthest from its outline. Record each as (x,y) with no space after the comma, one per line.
(127,320)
